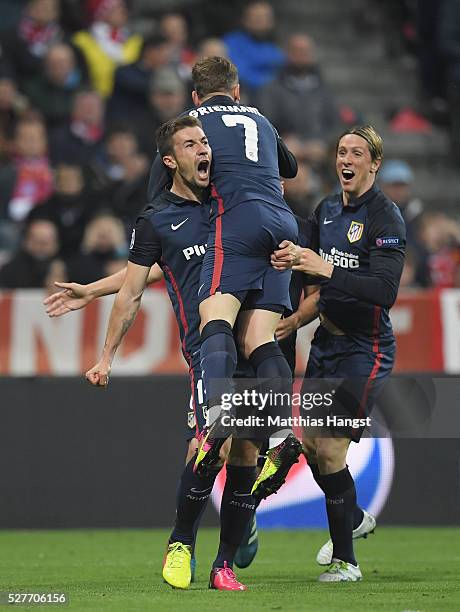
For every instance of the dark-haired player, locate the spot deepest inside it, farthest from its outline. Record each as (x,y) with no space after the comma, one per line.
(358,242)
(165,234)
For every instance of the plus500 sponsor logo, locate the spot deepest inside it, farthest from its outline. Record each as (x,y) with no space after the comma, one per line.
(196,249)
(340,258)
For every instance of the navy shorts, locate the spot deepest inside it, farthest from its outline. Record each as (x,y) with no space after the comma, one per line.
(352,374)
(237,258)
(197,410)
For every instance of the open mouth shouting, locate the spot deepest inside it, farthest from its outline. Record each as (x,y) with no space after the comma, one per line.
(203,168)
(347,175)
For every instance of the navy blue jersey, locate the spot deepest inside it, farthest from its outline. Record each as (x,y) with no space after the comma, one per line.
(244,152)
(173,232)
(365,242)
(248,155)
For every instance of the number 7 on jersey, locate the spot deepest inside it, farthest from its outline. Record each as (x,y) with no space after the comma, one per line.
(251,136)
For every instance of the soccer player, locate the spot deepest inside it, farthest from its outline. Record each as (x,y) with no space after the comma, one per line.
(358,241)
(248,218)
(165,234)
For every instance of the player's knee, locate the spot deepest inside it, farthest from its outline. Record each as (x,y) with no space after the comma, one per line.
(219,326)
(269,350)
(331,454)
(249,345)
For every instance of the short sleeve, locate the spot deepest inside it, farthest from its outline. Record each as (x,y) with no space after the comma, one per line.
(145,248)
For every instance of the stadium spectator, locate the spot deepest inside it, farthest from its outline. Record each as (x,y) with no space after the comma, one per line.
(79,141)
(210,47)
(302,192)
(300,104)
(167,99)
(70,208)
(440,236)
(51,91)
(38,29)
(396,179)
(33,263)
(132,82)
(103,252)
(12,107)
(252,47)
(127,198)
(28,179)
(120,144)
(449,43)
(107,43)
(409,273)
(175,28)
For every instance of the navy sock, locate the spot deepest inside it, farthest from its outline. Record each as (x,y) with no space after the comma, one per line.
(218,359)
(340,494)
(236,511)
(271,367)
(196,526)
(358,513)
(192,496)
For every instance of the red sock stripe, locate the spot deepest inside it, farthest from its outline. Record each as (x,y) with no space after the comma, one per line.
(218,250)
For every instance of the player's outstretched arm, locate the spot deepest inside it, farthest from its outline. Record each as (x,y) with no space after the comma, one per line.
(123,313)
(74,296)
(307,312)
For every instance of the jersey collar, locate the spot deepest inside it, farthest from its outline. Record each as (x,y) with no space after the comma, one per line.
(175,199)
(220,99)
(364,199)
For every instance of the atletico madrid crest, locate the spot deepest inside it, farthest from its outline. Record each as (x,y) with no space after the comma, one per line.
(355,232)
(191,420)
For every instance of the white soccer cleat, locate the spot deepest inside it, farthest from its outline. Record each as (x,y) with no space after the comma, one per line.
(367,526)
(340,571)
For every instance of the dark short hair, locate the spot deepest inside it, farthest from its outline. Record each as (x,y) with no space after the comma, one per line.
(370,135)
(165,132)
(214,74)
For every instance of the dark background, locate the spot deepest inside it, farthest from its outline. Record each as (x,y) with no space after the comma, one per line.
(74,456)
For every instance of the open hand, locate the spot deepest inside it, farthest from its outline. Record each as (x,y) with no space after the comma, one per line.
(73,297)
(286,327)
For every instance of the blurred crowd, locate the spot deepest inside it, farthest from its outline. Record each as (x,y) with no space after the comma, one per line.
(429,32)
(85,83)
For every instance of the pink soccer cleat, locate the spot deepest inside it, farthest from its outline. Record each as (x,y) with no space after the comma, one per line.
(224,579)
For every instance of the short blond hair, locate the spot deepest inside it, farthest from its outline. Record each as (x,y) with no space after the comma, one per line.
(370,135)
